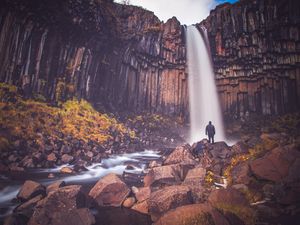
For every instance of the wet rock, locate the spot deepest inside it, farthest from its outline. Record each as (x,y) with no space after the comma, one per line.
(67,158)
(55,186)
(153,164)
(168,198)
(28,207)
(181,154)
(30,189)
(202,214)
(65,204)
(169,174)
(67,170)
(129,202)
(130,167)
(109,191)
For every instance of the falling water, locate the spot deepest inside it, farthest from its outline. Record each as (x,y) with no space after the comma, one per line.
(204,103)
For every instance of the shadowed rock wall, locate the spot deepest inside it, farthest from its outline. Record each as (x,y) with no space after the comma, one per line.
(118,56)
(255,49)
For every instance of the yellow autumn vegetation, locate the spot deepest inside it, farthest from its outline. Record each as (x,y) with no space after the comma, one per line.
(28,119)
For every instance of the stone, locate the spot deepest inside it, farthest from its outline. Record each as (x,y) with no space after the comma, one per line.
(220,150)
(67,170)
(141,207)
(142,193)
(229,196)
(65,204)
(30,189)
(130,167)
(169,174)
(241,173)
(168,198)
(129,202)
(274,166)
(66,158)
(153,164)
(52,157)
(109,191)
(55,186)
(195,176)
(181,154)
(202,214)
(28,207)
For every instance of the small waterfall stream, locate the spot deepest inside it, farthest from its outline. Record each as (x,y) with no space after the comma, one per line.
(204,102)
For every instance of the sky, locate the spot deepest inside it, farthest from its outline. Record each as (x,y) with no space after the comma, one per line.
(187,11)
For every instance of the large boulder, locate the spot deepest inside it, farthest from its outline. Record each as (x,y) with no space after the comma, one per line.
(55,186)
(142,207)
(275,165)
(30,189)
(28,207)
(202,214)
(220,150)
(65,205)
(142,194)
(109,191)
(241,173)
(169,174)
(181,154)
(195,176)
(168,198)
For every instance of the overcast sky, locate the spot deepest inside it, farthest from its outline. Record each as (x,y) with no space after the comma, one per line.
(187,11)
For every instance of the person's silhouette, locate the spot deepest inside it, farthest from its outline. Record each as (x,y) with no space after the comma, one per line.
(210,131)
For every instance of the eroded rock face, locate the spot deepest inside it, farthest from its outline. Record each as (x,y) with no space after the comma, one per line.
(109,191)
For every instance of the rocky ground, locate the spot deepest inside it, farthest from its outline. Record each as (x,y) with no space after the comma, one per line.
(36,134)
(255,181)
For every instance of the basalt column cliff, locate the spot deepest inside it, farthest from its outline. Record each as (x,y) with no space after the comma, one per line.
(255,47)
(114,55)
(123,58)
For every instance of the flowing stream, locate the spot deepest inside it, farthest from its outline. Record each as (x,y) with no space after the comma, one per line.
(12,182)
(203,96)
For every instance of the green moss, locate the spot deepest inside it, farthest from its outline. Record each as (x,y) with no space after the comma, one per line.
(199,219)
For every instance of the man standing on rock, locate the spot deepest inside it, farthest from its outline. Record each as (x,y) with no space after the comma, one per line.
(210,131)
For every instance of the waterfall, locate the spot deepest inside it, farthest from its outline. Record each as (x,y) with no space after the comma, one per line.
(203,97)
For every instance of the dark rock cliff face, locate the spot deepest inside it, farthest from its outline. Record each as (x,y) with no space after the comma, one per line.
(255,48)
(97,50)
(123,58)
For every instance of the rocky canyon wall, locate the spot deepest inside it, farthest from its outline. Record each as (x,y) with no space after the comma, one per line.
(255,50)
(122,57)
(116,56)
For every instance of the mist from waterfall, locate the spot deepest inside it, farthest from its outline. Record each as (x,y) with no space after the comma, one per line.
(203,97)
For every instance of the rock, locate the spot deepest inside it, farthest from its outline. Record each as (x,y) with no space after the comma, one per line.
(30,189)
(200,214)
(27,207)
(195,176)
(89,154)
(65,149)
(129,167)
(220,150)
(227,196)
(141,207)
(129,202)
(168,198)
(65,204)
(169,174)
(52,157)
(241,173)
(51,175)
(66,158)
(153,164)
(274,166)
(240,148)
(142,194)
(109,191)
(181,154)
(66,170)
(55,186)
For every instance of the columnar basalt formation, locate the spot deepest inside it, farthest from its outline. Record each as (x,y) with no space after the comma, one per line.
(255,48)
(112,54)
(122,57)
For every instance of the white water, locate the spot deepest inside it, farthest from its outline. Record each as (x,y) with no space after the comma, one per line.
(204,102)
(114,164)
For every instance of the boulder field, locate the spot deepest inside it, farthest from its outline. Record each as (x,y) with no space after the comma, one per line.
(251,182)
